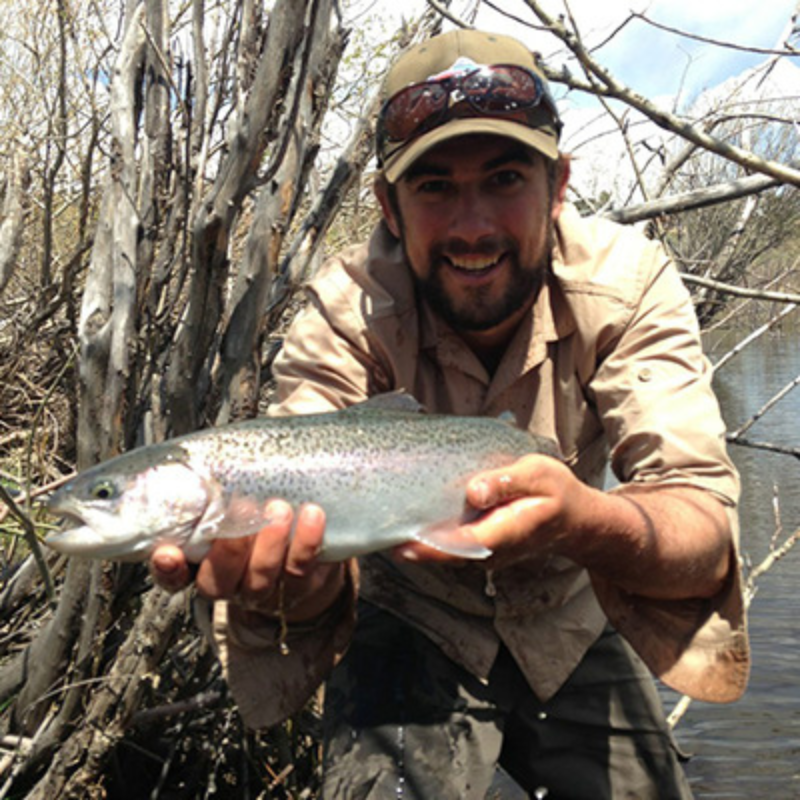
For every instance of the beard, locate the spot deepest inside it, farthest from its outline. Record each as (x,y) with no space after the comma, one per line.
(478,309)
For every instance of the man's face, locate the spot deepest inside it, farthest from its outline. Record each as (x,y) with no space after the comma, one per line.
(475,216)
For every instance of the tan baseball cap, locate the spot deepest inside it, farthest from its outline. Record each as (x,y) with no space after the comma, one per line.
(447,53)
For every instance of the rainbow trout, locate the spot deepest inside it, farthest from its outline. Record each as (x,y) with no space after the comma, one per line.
(384,474)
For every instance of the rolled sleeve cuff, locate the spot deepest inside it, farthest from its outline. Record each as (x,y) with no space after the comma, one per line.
(268,683)
(697,647)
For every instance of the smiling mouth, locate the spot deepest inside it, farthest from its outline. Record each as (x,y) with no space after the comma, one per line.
(474,265)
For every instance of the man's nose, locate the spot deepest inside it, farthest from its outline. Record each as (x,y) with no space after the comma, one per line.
(472,217)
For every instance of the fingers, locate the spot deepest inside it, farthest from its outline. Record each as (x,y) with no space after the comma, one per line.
(249,565)
(307,541)
(169,568)
(503,530)
(529,475)
(523,505)
(511,525)
(250,570)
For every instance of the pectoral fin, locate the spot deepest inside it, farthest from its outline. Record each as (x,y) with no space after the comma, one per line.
(237,515)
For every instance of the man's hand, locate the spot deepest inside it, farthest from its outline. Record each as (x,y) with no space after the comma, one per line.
(529,508)
(662,541)
(248,570)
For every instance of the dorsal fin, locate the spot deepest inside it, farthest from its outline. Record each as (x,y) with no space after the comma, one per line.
(388,401)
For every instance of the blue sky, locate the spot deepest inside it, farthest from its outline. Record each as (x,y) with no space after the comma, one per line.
(657,63)
(668,69)
(653,62)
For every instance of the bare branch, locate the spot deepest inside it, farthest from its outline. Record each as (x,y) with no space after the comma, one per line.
(275,205)
(107,313)
(754,335)
(775,555)
(771,403)
(740,291)
(602,82)
(212,228)
(13,215)
(767,51)
(29,531)
(700,198)
(441,9)
(768,446)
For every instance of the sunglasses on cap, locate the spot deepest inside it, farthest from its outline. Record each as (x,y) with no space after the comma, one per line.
(500,90)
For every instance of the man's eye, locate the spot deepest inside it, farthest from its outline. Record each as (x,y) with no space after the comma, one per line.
(432,187)
(508,177)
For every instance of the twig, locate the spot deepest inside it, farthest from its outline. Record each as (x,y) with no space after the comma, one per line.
(606,84)
(740,291)
(737,309)
(773,448)
(773,401)
(776,513)
(517,20)
(447,14)
(29,532)
(166,71)
(619,121)
(199,701)
(281,777)
(37,418)
(678,710)
(39,490)
(764,51)
(756,334)
(768,562)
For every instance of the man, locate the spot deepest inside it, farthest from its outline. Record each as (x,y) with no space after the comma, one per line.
(482,292)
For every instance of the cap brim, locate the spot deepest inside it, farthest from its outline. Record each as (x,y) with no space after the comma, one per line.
(540,139)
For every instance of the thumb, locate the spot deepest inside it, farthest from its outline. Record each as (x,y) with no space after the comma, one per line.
(169,568)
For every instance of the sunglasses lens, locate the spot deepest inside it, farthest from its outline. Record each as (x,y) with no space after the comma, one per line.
(501,89)
(409,111)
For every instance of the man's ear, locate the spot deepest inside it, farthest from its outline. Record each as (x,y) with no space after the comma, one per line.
(382,192)
(560,186)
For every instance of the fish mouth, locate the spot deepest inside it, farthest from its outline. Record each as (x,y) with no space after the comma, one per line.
(82,540)
(68,520)
(76,538)
(73,536)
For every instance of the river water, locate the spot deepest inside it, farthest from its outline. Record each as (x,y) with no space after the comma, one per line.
(751,749)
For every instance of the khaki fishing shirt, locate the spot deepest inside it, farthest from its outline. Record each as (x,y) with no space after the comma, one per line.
(608,363)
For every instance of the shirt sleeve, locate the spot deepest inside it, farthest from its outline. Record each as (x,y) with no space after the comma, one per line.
(653,392)
(326,362)
(272,674)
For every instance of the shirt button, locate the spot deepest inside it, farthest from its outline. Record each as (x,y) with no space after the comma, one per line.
(645,374)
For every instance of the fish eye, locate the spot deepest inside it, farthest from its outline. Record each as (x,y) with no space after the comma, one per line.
(103,490)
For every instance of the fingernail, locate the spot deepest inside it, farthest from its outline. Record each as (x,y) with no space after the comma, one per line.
(278,512)
(312,514)
(480,493)
(166,564)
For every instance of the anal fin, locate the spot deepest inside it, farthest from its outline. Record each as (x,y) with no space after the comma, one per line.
(449,537)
